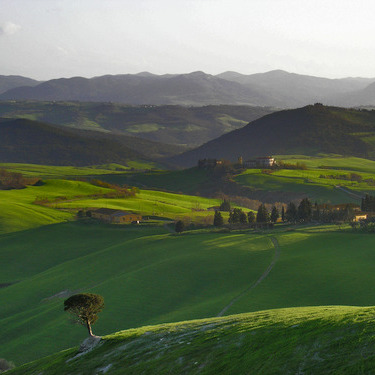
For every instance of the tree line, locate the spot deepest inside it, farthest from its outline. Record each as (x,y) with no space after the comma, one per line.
(304,212)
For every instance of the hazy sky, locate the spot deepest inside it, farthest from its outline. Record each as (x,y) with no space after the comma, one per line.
(46,39)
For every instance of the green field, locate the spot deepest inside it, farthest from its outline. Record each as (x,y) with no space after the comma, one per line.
(146,275)
(337,340)
(18,212)
(149,276)
(331,161)
(312,183)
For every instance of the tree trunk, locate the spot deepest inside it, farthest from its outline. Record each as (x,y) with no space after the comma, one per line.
(88,325)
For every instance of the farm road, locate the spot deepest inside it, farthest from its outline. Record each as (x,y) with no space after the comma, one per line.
(262,277)
(349,192)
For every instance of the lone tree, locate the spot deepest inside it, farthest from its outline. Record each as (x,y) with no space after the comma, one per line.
(85,307)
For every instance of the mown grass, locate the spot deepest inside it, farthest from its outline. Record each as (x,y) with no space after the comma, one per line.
(310,340)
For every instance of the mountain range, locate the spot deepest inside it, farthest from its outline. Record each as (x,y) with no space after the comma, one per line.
(275,88)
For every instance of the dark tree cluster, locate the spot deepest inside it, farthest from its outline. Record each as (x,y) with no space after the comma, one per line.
(368,203)
(306,212)
(225,205)
(13,180)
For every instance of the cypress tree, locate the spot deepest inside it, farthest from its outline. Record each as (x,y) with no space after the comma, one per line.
(274,214)
(218,219)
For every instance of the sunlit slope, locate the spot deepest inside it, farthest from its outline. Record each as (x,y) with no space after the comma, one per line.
(18,212)
(327,179)
(311,340)
(147,276)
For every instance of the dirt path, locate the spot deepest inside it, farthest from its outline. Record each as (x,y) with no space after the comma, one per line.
(349,192)
(262,277)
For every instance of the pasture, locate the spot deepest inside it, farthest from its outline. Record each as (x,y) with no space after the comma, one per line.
(150,276)
(309,340)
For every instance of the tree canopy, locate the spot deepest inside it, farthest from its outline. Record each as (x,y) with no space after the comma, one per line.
(85,308)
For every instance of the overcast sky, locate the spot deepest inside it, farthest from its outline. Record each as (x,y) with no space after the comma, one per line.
(46,39)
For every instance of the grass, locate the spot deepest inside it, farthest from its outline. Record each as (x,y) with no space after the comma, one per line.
(310,181)
(146,275)
(18,212)
(333,161)
(155,203)
(311,340)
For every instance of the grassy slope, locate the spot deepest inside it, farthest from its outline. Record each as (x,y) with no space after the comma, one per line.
(309,181)
(321,340)
(148,202)
(17,211)
(47,171)
(145,275)
(332,161)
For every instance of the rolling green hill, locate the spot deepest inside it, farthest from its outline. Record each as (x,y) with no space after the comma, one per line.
(149,276)
(191,126)
(312,340)
(310,130)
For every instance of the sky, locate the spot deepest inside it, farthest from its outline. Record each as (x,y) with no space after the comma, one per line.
(45,39)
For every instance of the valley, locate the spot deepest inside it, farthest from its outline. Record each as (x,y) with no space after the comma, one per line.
(245,283)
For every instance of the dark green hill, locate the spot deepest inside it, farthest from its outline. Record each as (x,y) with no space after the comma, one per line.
(191,126)
(309,131)
(26,141)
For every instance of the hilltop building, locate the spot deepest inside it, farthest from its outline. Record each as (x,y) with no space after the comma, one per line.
(261,162)
(110,215)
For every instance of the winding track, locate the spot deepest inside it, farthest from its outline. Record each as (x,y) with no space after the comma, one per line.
(262,277)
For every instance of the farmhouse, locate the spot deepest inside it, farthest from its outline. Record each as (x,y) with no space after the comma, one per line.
(110,215)
(261,162)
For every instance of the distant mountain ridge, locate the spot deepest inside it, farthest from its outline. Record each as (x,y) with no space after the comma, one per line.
(11,82)
(275,88)
(309,130)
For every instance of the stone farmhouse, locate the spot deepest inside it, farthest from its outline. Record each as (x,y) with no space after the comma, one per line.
(110,215)
(261,162)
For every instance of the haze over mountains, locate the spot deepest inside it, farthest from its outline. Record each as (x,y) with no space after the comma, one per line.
(276,88)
